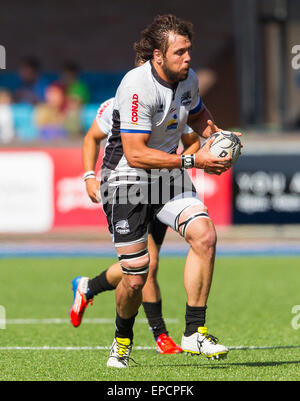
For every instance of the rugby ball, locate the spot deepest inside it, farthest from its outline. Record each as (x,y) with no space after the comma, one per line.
(226,143)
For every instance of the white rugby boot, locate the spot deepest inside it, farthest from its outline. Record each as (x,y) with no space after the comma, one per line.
(119,353)
(202,343)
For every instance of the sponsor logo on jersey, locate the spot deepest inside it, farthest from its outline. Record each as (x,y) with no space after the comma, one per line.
(186,98)
(172,124)
(101,111)
(122,227)
(135,109)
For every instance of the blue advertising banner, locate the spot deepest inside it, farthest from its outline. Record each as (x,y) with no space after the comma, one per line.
(267,189)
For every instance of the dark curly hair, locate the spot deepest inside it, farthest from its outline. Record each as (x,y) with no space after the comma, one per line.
(156,36)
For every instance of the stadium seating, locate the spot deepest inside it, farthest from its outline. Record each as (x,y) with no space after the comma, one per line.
(23,116)
(102,85)
(88,114)
(9,80)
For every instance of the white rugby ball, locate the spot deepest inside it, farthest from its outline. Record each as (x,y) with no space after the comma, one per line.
(226,143)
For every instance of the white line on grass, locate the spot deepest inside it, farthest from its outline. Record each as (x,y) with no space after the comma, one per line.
(48,348)
(139,348)
(108,321)
(67,321)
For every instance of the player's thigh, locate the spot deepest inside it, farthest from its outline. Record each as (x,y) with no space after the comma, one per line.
(183,209)
(134,260)
(180,212)
(127,222)
(156,229)
(154,249)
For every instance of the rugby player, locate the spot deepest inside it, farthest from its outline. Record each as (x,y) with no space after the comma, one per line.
(152,105)
(84,288)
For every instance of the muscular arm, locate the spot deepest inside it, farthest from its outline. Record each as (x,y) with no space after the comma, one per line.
(198,122)
(191,143)
(91,146)
(139,155)
(90,153)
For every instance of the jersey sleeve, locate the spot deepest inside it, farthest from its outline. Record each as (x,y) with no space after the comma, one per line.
(135,110)
(187,130)
(196,104)
(104,116)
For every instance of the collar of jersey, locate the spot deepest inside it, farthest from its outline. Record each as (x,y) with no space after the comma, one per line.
(160,80)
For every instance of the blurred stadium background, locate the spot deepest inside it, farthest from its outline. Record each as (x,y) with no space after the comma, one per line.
(249,76)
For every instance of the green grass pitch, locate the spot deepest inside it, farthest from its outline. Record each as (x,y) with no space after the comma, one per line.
(250,305)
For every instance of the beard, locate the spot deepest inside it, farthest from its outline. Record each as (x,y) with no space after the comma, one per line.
(174,76)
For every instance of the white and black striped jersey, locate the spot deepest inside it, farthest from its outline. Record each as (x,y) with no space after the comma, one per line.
(144,103)
(105,121)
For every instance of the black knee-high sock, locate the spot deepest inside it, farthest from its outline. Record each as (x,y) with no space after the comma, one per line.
(124,327)
(99,284)
(153,311)
(194,317)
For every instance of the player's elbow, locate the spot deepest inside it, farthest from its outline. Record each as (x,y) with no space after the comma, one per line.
(133,159)
(91,140)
